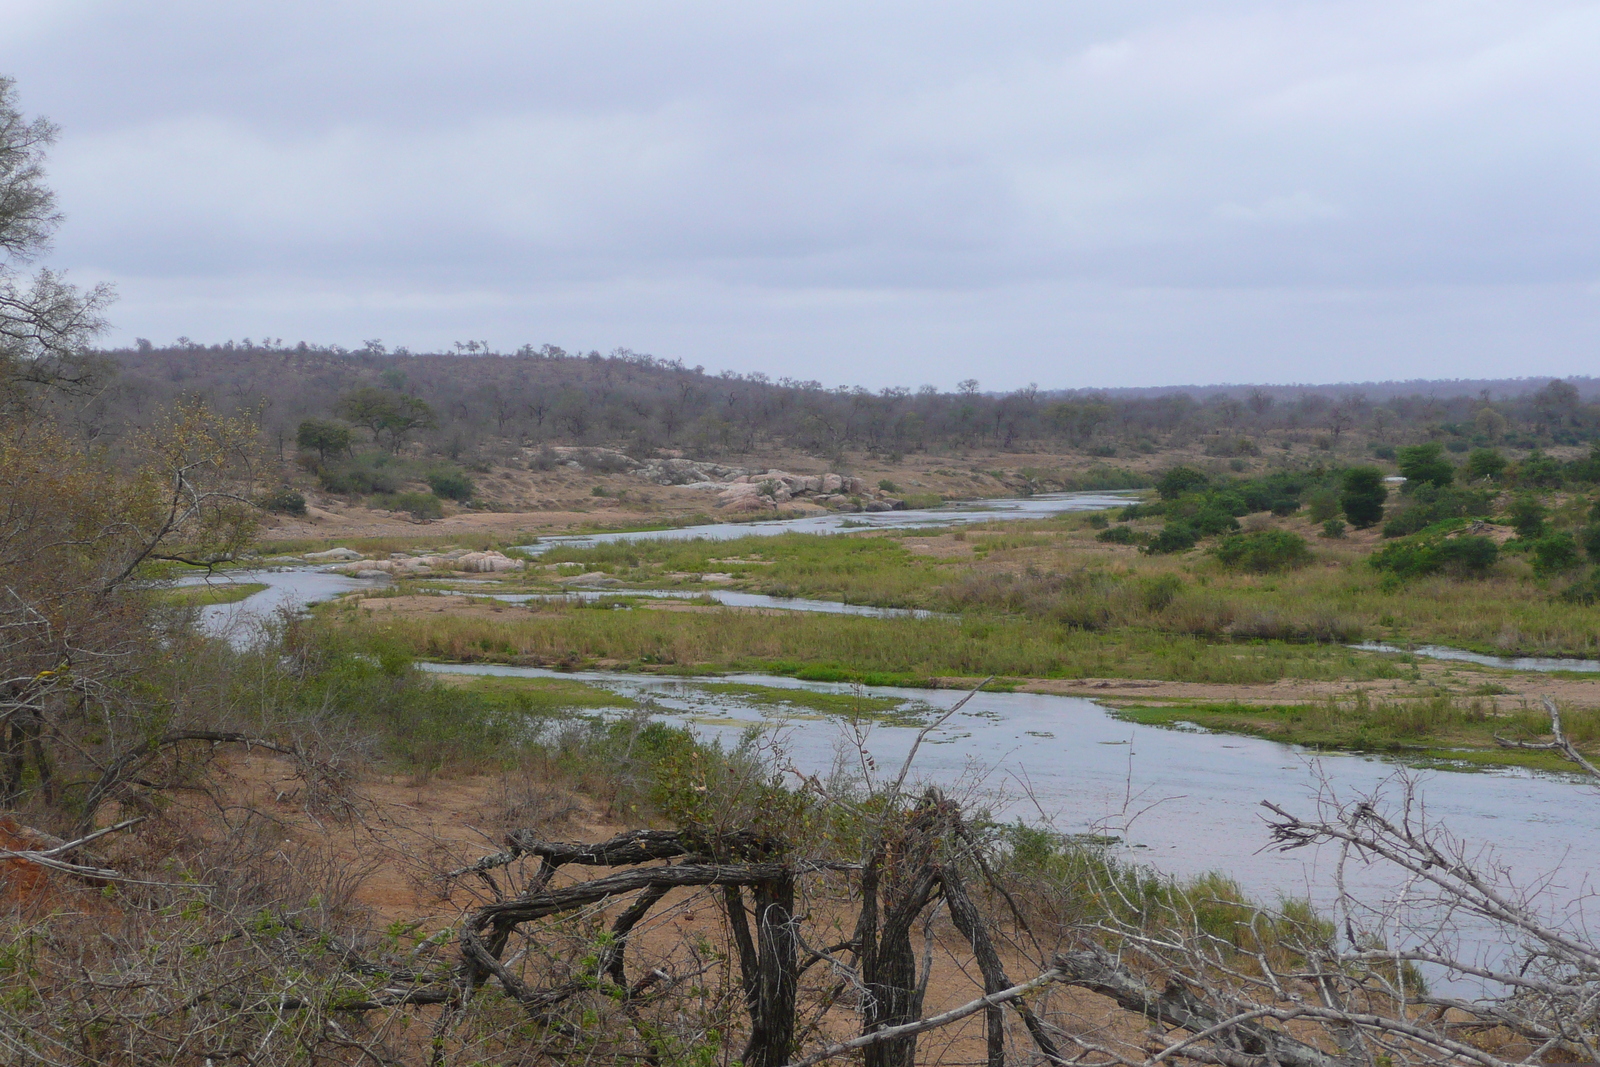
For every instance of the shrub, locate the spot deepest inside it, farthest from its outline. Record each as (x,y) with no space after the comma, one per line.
(1120,535)
(449,483)
(1425,465)
(1333,529)
(1526,516)
(1433,504)
(1554,554)
(887,486)
(1425,554)
(1485,463)
(1323,504)
(1179,481)
(1584,591)
(1382,451)
(284,501)
(1537,470)
(1591,543)
(323,437)
(1263,551)
(1098,521)
(1174,537)
(420,506)
(1363,497)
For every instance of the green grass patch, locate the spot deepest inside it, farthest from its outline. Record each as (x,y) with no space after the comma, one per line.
(1448,732)
(805,701)
(543,697)
(843,648)
(206,595)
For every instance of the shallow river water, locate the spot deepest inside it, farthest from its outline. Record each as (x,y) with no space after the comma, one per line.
(1182,800)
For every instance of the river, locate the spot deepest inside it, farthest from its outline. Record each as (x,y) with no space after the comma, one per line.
(1185,801)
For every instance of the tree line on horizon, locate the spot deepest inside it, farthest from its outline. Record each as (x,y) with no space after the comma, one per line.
(476,403)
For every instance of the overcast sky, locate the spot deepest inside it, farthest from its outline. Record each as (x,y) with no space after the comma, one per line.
(1104,193)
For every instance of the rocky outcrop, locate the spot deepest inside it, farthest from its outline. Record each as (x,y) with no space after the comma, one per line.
(738,489)
(400,563)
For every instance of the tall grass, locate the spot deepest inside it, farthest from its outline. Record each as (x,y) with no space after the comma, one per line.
(567,635)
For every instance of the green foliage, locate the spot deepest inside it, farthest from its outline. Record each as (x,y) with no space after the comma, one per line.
(1121,535)
(1486,464)
(1322,504)
(888,486)
(370,472)
(1554,553)
(1527,516)
(1424,465)
(420,506)
(451,483)
(1432,552)
(1432,504)
(1590,539)
(1180,480)
(1363,496)
(1585,591)
(323,437)
(1333,529)
(1263,551)
(1174,537)
(385,412)
(284,501)
(1537,471)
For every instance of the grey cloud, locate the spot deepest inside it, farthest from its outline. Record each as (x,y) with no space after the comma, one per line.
(744,185)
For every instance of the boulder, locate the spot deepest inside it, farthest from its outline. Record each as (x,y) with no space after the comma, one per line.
(832,483)
(895,504)
(876,505)
(486,563)
(371,574)
(333,555)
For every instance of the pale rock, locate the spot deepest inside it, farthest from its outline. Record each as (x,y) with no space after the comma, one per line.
(832,483)
(333,555)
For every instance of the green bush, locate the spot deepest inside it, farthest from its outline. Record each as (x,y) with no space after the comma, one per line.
(1333,529)
(1485,463)
(419,506)
(370,472)
(1263,551)
(1323,504)
(1434,504)
(284,501)
(1120,535)
(1382,451)
(1363,496)
(1426,554)
(1526,516)
(1591,542)
(1179,481)
(1538,471)
(1585,590)
(1554,553)
(1424,465)
(449,483)
(1174,537)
